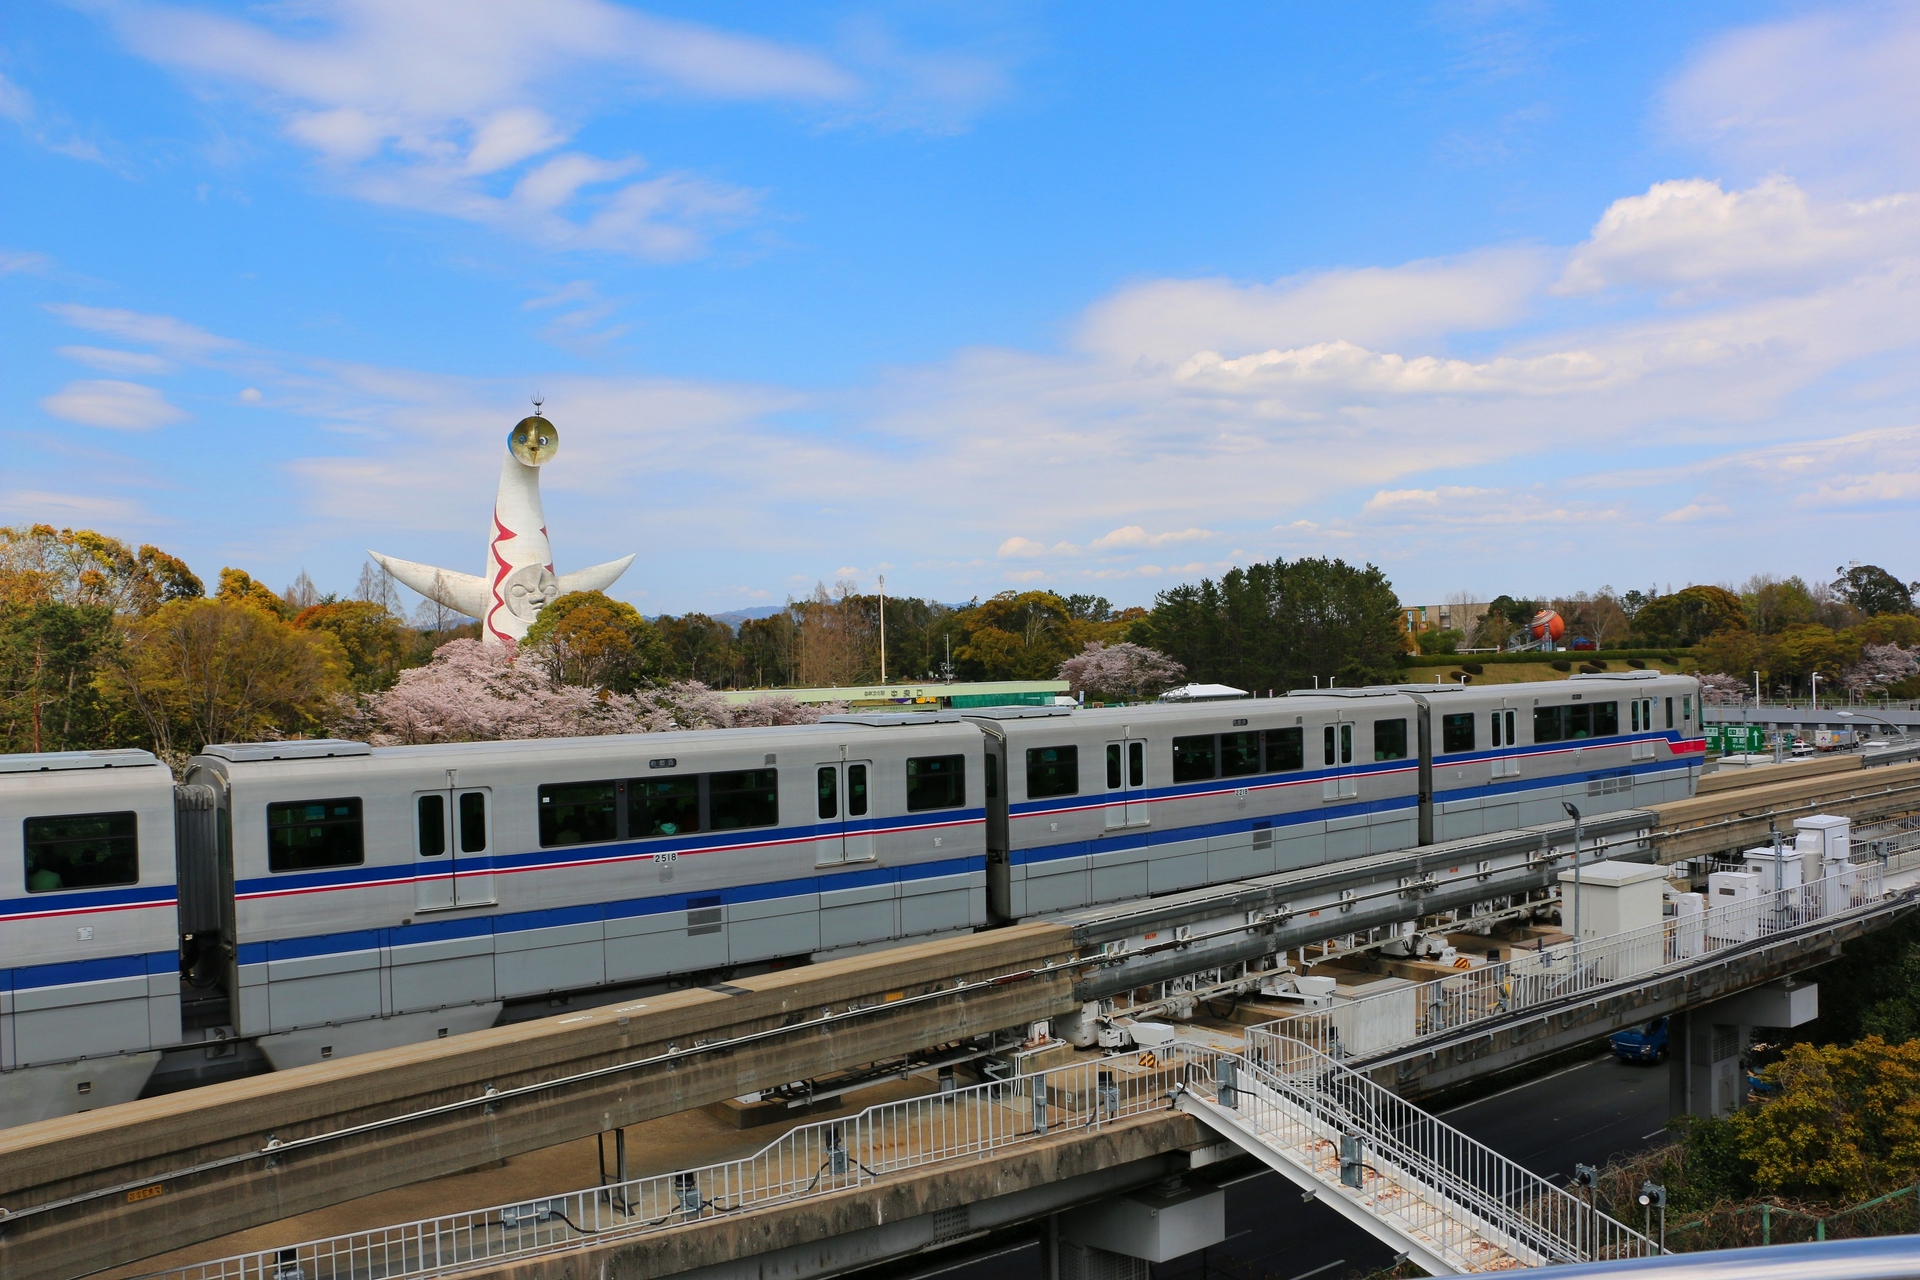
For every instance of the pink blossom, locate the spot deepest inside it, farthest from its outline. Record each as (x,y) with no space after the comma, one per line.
(1121,671)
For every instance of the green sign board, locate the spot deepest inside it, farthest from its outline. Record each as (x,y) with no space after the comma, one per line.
(1736,739)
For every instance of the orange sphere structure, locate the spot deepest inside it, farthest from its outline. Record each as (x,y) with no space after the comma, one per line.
(1546,625)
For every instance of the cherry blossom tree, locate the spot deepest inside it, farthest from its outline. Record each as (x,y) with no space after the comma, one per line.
(1722,691)
(1880,665)
(1122,670)
(777,708)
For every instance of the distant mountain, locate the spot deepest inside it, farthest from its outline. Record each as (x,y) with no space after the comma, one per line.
(734,617)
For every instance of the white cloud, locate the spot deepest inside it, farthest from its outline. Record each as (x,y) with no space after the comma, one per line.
(462,110)
(1829,93)
(46,506)
(165,332)
(1021,549)
(108,360)
(1696,511)
(124,406)
(43,128)
(1134,536)
(12,262)
(1695,238)
(1167,321)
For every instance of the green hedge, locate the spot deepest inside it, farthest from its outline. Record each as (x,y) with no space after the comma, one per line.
(1583,655)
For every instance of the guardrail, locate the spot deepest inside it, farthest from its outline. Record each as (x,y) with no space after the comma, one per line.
(811,1160)
(1368,1025)
(1456,1196)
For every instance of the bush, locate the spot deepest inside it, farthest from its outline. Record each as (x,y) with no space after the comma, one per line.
(1561,664)
(1473,668)
(1459,677)
(1638,664)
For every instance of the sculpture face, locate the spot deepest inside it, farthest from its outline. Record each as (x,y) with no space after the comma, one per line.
(529,589)
(534,440)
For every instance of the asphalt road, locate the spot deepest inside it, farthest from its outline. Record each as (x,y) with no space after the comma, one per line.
(1585,1114)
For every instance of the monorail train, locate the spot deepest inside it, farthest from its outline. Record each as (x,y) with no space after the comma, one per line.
(306,900)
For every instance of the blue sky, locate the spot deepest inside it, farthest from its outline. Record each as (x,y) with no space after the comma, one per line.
(1502,297)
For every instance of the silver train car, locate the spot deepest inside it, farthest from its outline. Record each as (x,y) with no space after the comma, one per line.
(291,902)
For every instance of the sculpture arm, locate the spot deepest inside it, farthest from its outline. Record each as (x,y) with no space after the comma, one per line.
(598,578)
(462,592)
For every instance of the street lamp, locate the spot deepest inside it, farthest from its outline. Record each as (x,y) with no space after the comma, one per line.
(1868,715)
(1816,691)
(1574,813)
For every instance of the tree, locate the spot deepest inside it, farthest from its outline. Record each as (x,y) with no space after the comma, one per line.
(1503,616)
(1121,671)
(1843,1124)
(702,649)
(377,645)
(590,639)
(1280,625)
(82,567)
(201,671)
(1439,640)
(1722,691)
(1688,616)
(1902,629)
(49,655)
(238,587)
(834,643)
(1881,666)
(302,594)
(1799,651)
(1732,651)
(1871,590)
(1019,635)
(769,650)
(1774,604)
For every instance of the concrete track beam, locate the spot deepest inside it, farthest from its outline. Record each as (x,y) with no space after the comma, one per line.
(893,1217)
(123,1151)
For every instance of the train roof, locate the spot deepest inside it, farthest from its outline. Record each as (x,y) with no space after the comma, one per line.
(61,761)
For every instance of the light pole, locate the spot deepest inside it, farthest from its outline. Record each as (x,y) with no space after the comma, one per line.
(1816,691)
(883,628)
(1574,813)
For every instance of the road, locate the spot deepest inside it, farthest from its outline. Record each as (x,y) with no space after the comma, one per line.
(1585,1114)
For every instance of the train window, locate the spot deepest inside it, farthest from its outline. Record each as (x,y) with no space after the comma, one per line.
(1329,746)
(1193,758)
(936,782)
(993,776)
(1285,750)
(1136,764)
(1606,719)
(1548,724)
(433,825)
(1113,766)
(663,806)
(1389,739)
(305,835)
(473,822)
(1669,713)
(82,851)
(1496,728)
(1239,754)
(747,798)
(1456,732)
(1686,706)
(1052,771)
(828,786)
(1346,744)
(857,789)
(578,813)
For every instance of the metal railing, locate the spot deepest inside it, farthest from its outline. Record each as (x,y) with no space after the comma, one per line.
(1426,1179)
(1368,1025)
(811,1160)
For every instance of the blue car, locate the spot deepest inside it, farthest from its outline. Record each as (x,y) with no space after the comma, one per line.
(1641,1044)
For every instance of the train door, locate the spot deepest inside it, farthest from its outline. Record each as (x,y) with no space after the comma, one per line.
(1126,783)
(842,794)
(453,841)
(1505,763)
(1336,741)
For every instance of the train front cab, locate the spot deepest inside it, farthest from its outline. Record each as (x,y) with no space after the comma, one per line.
(89,949)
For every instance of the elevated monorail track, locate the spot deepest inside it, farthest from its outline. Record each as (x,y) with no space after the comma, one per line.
(1741,818)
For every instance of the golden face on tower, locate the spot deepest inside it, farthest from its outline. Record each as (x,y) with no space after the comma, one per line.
(534,440)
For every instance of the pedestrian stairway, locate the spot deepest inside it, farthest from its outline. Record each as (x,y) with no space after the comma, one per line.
(1451,1205)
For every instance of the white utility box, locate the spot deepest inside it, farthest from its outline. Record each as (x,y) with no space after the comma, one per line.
(1793,866)
(1615,897)
(1826,837)
(1734,906)
(1689,924)
(1373,1012)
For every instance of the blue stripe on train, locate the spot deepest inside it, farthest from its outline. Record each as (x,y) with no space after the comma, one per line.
(587,913)
(1235,826)
(102,969)
(588,854)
